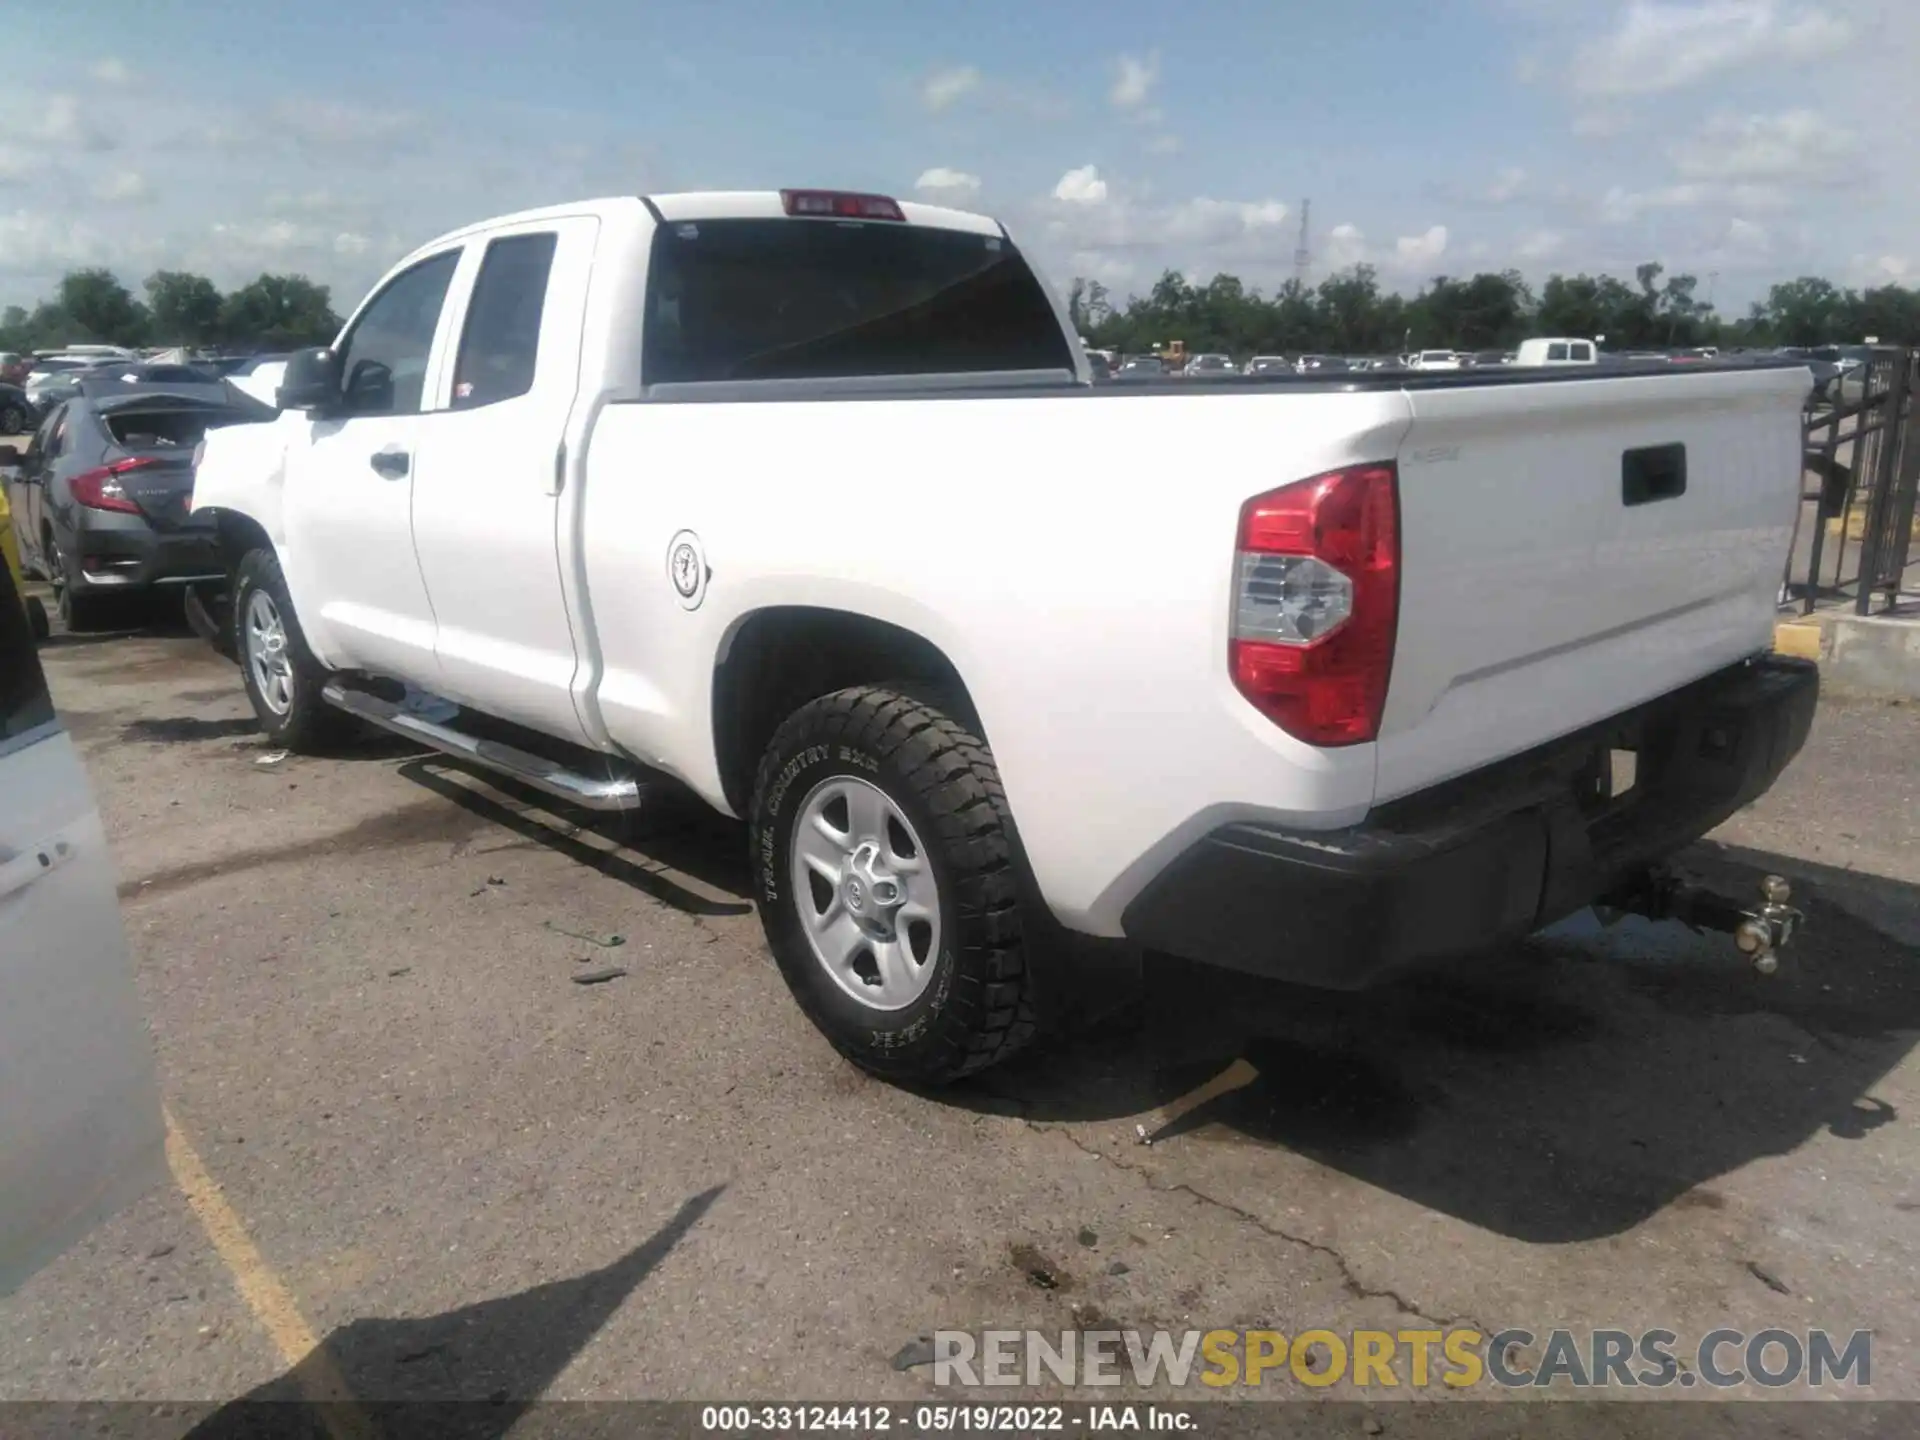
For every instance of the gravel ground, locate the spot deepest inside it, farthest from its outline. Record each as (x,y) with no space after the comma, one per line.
(475,1178)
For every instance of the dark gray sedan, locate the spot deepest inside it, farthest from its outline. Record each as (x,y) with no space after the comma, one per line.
(100,498)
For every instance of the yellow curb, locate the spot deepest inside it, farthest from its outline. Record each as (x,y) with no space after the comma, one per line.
(1799,638)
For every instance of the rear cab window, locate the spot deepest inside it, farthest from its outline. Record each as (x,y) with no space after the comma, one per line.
(500,341)
(795,299)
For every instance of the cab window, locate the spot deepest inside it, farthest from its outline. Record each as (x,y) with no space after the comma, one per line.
(383,361)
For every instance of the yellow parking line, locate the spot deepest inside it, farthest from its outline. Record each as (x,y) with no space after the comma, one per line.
(312,1366)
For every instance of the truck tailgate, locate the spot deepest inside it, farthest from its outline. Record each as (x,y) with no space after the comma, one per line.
(1573,548)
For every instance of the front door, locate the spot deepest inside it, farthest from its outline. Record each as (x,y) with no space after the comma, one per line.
(349,557)
(80,1127)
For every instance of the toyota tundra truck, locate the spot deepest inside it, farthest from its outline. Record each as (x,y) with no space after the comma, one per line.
(802,501)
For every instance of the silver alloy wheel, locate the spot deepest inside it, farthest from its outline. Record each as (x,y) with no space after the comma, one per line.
(865,891)
(267,655)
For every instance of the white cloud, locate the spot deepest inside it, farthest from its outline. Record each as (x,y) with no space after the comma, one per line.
(59,121)
(1539,245)
(1620,206)
(1081,187)
(1134,79)
(1797,146)
(1509,184)
(34,243)
(1164,145)
(1346,246)
(123,187)
(111,71)
(18,163)
(348,243)
(329,125)
(1602,124)
(942,89)
(1744,235)
(1413,251)
(1659,47)
(947,183)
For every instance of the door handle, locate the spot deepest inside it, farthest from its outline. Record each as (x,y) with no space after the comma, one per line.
(391,463)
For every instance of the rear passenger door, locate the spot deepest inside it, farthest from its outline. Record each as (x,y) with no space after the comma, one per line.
(486,501)
(80,1127)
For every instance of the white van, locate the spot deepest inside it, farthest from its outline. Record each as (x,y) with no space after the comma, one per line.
(1557,351)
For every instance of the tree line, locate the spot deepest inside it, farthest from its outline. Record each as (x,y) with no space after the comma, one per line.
(92,307)
(1350,314)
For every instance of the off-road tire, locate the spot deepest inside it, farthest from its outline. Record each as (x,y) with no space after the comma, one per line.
(976,1008)
(309,725)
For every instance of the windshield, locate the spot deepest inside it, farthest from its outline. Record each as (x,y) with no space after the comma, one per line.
(805,299)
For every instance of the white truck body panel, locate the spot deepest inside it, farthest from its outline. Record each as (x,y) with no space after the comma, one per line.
(1533,601)
(1088,619)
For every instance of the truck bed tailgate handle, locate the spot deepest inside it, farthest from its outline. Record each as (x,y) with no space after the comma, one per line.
(1653,472)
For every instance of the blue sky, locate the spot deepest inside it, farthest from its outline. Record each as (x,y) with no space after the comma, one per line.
(1738,138)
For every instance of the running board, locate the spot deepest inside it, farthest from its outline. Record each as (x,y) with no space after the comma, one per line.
(547,776)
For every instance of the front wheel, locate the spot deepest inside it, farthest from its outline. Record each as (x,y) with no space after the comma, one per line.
(886,875)
(283,678)
(13,420)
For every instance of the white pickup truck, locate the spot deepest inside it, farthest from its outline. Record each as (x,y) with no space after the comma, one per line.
(802,500)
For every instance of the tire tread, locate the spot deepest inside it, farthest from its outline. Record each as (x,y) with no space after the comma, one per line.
(954,775)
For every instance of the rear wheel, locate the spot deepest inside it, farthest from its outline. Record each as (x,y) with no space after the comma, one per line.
(887,883)
(79,612)
(282,677)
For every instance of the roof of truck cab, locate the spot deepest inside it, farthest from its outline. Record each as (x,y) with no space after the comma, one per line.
(704,205)
(767,205)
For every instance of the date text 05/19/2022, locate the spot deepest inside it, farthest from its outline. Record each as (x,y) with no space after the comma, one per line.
(882,1419)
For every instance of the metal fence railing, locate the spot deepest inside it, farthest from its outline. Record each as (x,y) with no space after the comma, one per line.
(1862,464)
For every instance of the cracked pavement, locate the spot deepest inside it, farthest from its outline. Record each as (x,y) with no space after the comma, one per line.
(477,1178)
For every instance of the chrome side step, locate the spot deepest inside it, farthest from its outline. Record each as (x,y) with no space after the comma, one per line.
(612,792)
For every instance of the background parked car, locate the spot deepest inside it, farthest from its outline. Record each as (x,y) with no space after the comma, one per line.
(100,500)
(1211,365)
(17,413)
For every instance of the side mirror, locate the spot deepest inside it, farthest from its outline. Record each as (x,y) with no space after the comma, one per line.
(311,381)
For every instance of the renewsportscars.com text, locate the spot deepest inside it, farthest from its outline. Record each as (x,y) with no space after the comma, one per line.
(1457,1358)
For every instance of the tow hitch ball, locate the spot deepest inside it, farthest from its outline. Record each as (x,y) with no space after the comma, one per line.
(1760,932)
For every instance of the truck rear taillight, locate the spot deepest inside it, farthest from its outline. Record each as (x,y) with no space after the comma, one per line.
(840,205)
(1316,603)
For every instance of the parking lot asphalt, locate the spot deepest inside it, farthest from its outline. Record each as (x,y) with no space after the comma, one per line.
(402,1128)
